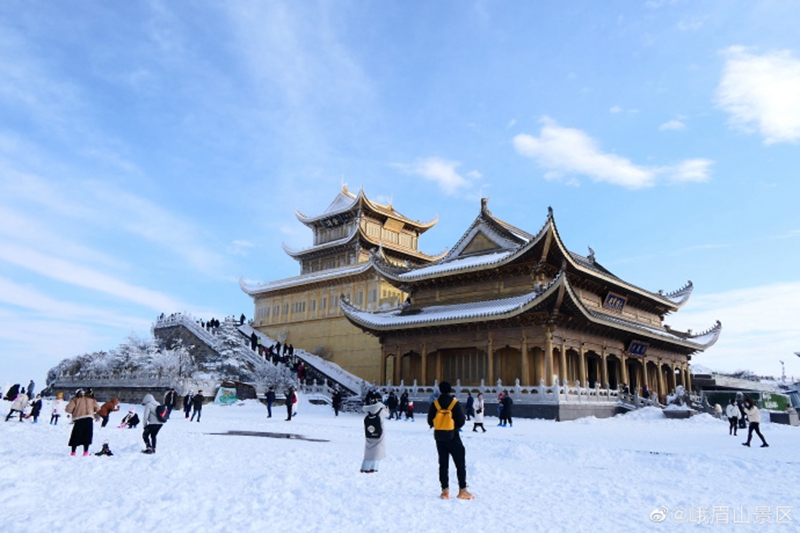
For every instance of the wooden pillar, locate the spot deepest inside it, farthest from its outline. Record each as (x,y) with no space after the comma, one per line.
(548,356)
(624,358)
(605,368)
(645,381)
(661,390)
(490,360)
(584,379)
(382,378)
(563,364)
(689,377)
(424,370)
(524,366)
(398,360)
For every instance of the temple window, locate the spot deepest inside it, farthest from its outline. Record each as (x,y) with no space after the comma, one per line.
(373,230)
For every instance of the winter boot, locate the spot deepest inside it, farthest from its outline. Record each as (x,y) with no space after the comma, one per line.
(464,494)
(446,494)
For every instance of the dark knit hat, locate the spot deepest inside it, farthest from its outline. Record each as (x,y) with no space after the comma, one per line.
(445,388)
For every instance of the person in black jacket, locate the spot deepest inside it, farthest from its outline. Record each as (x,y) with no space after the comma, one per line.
(270,401)
(337,401)
(170,399)
(507,403)
(290,399)
(36,408)
(197,405)
(448,442)
(187,404)
(392,403)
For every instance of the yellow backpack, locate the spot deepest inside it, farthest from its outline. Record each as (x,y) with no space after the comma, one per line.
(443,421)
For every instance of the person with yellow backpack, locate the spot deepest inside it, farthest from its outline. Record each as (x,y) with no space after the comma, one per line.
(446,417)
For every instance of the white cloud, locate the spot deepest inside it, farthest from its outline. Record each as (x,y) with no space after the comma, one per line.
(615,109)
(691,170)
(754,336)
(571,151)
(672,125)
(442,172)
(80,276)
(156,224)
(18,296)
(52,215)
(240,247)
(761,93)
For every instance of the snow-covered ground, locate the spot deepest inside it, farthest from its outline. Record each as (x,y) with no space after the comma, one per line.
(587,475)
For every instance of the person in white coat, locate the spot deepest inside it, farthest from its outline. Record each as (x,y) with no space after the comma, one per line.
(375,436)
(751,410)
(18,406)
(58,408)
(733,414)
(480,410)
(152,424)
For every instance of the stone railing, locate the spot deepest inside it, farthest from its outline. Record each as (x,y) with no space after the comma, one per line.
(208,335)
(532,394)
(139,381)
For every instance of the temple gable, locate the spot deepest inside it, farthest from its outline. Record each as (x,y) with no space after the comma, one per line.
(480,243)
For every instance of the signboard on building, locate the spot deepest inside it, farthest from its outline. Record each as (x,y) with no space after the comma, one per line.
(637,348)
(615,302)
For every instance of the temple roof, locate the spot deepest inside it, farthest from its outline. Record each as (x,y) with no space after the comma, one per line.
(551,298)
(371,242)
(305,279)
(346,201)
(490,243)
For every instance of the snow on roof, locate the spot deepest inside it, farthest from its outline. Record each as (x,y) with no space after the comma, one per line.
(503,307)
(344,200)
(441,313)
(461,263)
(312,277)
(325,245)
(702,341)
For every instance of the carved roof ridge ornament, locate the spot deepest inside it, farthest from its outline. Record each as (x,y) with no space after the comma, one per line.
(590,257)
(680,296)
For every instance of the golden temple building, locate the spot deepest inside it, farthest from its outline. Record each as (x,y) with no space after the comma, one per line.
(304,310)
(504,304)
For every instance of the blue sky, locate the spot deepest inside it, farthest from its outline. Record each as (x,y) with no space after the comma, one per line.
(153,153)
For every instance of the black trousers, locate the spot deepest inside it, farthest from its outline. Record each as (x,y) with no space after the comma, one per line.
(452,448)
(754,427)
(733,422)
(149,435)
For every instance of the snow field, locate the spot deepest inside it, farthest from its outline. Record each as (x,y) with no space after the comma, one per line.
(586,475)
